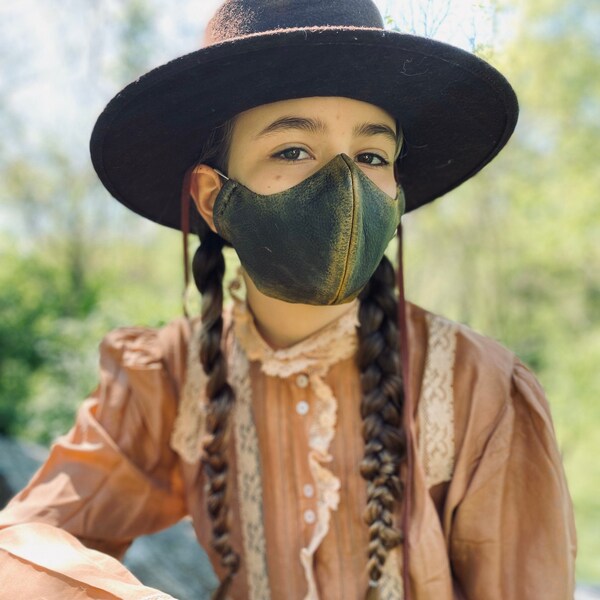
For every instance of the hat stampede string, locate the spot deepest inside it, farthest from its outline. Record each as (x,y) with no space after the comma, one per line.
(185,230)
(407,416)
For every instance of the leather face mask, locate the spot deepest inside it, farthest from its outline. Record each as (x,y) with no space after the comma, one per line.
(318,242)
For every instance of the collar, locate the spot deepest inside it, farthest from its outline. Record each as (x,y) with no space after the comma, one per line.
(314,354)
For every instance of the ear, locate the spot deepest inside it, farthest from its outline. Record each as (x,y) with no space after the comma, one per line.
(205,185)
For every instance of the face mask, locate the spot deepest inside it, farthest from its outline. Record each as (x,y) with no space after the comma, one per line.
(318,242)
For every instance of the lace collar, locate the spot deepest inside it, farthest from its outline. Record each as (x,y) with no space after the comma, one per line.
(316,353)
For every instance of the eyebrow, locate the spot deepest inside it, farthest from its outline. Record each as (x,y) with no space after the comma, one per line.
(302,123)
(319,126)
(370,129)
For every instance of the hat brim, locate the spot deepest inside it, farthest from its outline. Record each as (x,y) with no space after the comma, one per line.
(456,111)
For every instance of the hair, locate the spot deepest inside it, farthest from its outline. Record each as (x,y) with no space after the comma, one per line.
(217,146)
(381,406)
(208,269)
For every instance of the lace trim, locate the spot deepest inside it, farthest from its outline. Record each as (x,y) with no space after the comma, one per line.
(249,478)
(327,485)
(326,347)
(188,429)
(436,405)
(391,587)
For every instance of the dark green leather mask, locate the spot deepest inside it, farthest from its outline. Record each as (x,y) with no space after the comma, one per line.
(318,242)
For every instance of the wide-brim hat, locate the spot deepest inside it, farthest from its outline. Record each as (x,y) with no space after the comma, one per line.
(455,110)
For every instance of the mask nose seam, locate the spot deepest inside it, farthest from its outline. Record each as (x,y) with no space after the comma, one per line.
(351,239)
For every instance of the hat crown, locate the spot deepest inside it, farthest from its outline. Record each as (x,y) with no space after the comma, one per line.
(236,18)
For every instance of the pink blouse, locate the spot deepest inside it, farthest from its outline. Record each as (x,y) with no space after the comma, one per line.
(491,514)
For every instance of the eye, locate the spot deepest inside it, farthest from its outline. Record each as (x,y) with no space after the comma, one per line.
(370,158)
(292,154)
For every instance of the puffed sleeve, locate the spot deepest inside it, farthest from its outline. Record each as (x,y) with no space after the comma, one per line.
(513,534)
(112,478)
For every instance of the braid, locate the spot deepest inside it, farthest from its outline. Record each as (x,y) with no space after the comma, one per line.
(381,410)
(208,268)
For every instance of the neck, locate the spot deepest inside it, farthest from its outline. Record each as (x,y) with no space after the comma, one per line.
(283,324)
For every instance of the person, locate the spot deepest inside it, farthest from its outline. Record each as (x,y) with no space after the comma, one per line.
(328,438)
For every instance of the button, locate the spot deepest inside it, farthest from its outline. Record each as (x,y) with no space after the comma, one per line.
(302,407)
(309,517)
(302,380)
(308,490)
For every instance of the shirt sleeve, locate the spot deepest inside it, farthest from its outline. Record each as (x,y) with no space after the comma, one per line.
(112,478)
(513,533)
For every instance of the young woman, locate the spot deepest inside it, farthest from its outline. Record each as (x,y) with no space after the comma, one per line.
(328,439)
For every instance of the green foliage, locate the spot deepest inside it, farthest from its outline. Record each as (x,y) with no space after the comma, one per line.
(137,35)
(51,322)
(514,253)
(34,296)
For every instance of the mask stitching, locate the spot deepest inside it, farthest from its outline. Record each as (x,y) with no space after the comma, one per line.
(351,240)
(221,203)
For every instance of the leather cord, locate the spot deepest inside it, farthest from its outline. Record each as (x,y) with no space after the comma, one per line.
(185,230)
(408,416)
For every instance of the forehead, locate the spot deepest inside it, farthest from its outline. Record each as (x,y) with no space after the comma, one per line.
(334,111)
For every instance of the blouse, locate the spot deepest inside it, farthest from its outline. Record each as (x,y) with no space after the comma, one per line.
(491,515)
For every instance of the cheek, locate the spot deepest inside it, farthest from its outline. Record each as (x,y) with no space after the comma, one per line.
(271,179)
(384,179)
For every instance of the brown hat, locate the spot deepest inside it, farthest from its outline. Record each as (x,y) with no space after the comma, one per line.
(455,110)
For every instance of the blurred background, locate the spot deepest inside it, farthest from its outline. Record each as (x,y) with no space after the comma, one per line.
(514,253)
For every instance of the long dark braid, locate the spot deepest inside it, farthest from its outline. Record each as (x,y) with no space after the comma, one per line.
(378,360)
(208,268)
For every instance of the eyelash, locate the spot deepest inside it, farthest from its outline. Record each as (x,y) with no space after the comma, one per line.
(280,156)
(383,163)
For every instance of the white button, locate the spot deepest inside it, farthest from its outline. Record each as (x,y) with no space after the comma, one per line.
(302,380)
(309,517)
(302,407)
(309,490)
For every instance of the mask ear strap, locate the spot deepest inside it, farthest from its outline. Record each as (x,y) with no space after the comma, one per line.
(221,174)
(185,230)
(407,417)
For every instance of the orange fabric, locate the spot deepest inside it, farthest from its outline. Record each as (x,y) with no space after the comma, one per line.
(40,561)
(502,528)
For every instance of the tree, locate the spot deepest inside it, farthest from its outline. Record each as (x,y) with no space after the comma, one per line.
(514,252)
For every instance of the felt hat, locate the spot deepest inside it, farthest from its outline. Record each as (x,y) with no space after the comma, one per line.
(455,110)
